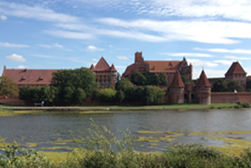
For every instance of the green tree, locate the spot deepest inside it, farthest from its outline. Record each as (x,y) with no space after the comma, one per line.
(95,95)
(78,78)
(24,92)
(248,85)
(234,85)
(220,86)
(130,94)
(123,84)
(163,80)
(138,79)
(8,87)
(120,95)
(68,81)
(80,95)
(148,95)
(107,94)
(152,94)
(67,94)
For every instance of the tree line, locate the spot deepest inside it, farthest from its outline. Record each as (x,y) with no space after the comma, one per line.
(76,85)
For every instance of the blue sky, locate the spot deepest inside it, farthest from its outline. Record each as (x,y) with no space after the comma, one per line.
(62,34)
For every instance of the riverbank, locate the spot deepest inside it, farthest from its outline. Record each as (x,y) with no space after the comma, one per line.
(107,109)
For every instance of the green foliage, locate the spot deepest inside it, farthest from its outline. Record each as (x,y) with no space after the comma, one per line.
(245,104)
(80,95)
(26,158)
(248,85)
(8,87)
(152,94)
(78,78)
(107,94)
(130,94)
(95,95)
(138,79)
(163,80)
(123,84)
(220,86)
(120,95)
(67,94)
(234,85)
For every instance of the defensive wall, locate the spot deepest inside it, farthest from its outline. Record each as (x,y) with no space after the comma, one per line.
(230,97)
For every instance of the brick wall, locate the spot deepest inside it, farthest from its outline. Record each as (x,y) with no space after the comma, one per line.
(230,97)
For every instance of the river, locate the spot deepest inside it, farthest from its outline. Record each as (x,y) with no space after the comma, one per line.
(153,131)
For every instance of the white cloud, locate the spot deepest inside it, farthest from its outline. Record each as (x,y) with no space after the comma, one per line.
(95,60)
(237,58)
(216,32)
(222,50)
(44,56)
(3,17)
(56,45)
(21,67)
(224,62)
(210,73)
(36,12)
(229,9)
(197,62)
(94,48)
(70,35)
(15,57)
(13,45)
(122,57)
(188,54)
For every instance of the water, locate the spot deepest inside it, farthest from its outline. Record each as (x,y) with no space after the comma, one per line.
(52,129)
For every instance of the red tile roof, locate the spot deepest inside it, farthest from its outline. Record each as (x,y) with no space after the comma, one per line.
(235,68)
(177,81)
(129,70)
(102,65)
(30,76)
(203,81)
(113,68)
(163,66)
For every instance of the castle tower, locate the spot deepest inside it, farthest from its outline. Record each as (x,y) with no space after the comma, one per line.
(138,57)
(203,90)
(177,89)
(236,72)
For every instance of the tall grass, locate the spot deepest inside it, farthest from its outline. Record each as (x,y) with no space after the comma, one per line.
(104,150)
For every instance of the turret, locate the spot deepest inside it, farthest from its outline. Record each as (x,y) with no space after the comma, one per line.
(177,89)
(203,90)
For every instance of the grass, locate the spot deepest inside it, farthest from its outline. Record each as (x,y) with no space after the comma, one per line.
(14,110)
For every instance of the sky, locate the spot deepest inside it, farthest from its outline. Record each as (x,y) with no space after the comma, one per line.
(69,34)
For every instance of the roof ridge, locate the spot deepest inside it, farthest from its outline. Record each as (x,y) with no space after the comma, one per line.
(177,81)
(203,81)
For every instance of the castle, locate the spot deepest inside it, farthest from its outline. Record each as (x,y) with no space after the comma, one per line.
(179,92)
(105,75)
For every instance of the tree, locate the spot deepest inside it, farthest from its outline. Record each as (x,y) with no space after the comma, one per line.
(138,79)
(78,78)
(68,81)
(8,87)
(120,95)
(220,86)
(234,85)
(95,95)
(107,94)
(152,94)
(123,84)
(163,80)
(80,95)
(248,85)
(67,94)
